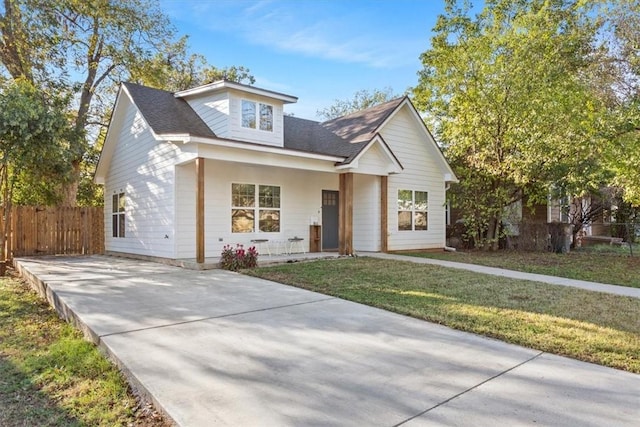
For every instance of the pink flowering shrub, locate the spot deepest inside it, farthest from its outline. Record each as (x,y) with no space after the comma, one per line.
(238,258)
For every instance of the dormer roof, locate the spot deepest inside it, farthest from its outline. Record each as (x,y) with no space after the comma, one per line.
(222,85)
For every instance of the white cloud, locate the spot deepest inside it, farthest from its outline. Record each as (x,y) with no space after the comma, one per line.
(274,85)
(310,29)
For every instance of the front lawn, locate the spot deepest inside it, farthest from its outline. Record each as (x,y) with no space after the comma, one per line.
(601,264)
(51,376)
(589,326)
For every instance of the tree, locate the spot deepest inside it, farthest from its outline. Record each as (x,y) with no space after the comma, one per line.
(174,69)
(85,48)
(504,93)
(33,137)
(615,79)
(95,41)
(361,100)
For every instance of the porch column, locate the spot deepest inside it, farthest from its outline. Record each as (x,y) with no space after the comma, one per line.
(345,214)
(384,213)
(200,210)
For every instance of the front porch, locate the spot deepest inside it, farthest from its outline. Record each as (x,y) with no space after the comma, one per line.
(263,260)
(360,207)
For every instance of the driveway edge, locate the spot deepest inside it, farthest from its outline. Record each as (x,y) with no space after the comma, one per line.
(66,313)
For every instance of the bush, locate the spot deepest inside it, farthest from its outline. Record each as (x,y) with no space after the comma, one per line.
(238,258)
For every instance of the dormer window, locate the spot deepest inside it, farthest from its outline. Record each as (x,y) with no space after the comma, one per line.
(256,115)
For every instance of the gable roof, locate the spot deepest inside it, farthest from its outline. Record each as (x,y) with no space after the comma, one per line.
(165,113)
(344,136)
(348,137)
(362,125)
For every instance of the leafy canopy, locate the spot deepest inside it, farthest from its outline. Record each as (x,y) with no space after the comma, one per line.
(83,49)
(504,94)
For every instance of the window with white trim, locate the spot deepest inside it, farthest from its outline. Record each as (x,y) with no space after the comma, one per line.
(256,115)
(117,215)
(246,208)
(412,210)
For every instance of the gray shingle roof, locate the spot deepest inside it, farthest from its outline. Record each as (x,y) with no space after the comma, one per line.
(312,137)
(167,114)
(344,136)
(362,125)
(341,137)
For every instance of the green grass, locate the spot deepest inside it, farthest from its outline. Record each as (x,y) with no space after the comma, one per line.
(589,326)
(603,264)
(51,376)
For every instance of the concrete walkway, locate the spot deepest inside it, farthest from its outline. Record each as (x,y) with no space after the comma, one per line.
(218,348)
(553,280)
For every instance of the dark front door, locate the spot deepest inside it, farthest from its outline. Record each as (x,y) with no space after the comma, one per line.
(329,220)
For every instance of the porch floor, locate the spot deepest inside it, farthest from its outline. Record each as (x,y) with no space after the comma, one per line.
(211,263)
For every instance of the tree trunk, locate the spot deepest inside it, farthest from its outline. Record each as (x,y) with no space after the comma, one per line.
(14,53)
(493,231)
(70,188)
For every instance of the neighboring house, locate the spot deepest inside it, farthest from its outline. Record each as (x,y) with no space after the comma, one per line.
(186,173)
(588,215)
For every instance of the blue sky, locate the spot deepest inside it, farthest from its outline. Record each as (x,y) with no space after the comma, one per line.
(317,50)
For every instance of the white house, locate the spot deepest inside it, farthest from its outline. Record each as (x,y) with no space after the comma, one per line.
(186,173)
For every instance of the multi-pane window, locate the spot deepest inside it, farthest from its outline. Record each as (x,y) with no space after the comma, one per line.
(256,115)
(269,208)
(412,210)
(329,198)
(117,215)
(266,117)
(246,207)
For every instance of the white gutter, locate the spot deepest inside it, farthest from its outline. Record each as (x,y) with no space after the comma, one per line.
(186,139)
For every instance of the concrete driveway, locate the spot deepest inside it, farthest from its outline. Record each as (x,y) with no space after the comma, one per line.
(214,347)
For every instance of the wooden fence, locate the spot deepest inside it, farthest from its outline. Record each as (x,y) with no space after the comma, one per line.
(54,231)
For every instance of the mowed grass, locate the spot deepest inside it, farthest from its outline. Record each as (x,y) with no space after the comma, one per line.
(590,326)
(51,376)
(603,264)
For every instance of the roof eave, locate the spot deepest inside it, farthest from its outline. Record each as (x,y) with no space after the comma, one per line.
(233,143)
(352,161)
(225,84)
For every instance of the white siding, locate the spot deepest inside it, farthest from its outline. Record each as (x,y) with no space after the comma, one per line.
(366,213)
(421,172)
(142,168)
(214,111)
(373,161)
(301,200)
(275,138)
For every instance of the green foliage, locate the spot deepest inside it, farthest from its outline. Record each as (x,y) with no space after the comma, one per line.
(238,258)
(361,100)
(83,50)
(174,69)
(33,137)
(616,81)
(503,91)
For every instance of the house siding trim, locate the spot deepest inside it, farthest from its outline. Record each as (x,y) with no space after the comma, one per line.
(384,214)
(200,214)
(345,214)
(448,173)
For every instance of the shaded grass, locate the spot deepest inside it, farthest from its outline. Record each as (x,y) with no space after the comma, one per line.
(51,376)
(597,264)
(589,326)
